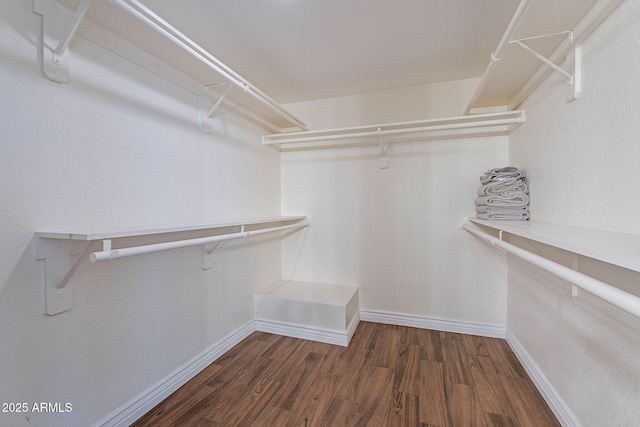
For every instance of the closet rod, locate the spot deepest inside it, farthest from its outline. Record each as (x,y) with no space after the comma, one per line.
(110,254)
(619,298)
(153,21)
(380,131)
(497,55)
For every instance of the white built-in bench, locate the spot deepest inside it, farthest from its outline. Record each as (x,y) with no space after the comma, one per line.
(315,311)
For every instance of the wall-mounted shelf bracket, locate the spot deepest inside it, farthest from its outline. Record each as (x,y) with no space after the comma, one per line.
(207,109)
(383,159)
(208,250)
(58,270)
(58,27)
(573,61)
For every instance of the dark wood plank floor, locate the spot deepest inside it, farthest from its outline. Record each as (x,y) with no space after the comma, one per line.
(388,376)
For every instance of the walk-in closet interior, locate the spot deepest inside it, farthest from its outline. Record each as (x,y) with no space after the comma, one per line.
(177,176)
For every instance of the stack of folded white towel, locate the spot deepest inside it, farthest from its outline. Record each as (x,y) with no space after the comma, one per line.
(504,194)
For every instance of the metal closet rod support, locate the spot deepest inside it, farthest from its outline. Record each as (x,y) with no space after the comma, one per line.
(71,30)
(541,57)
(111,254)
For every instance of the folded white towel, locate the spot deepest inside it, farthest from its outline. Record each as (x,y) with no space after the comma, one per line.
(512,216)
(500,174)
(497,209)
(498,187)
(509,198)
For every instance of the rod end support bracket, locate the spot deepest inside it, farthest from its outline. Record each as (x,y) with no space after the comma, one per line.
(574,85)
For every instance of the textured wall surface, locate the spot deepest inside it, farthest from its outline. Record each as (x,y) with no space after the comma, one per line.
(582,162)
(394,232)
(116,146)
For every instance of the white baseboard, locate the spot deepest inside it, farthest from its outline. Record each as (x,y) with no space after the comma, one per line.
(329,336)
(147,400)
(561,410)
(438,324)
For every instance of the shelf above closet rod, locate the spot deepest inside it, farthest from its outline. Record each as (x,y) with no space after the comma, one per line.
(617,297)
(165,43)
(489,124)
(619,249)
(56,248)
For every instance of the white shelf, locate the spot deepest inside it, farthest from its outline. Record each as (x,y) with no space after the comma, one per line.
(490,124)
(87,236)
(56,248)
(619,249)
(130,29)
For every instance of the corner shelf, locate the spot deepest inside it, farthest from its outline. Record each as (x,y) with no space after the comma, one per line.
(619,249)
(56,248)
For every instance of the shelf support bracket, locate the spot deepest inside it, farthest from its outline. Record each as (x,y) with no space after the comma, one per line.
(383,159)
(58,270)
(209,248)
(207,112)
(573,61)
(57,30)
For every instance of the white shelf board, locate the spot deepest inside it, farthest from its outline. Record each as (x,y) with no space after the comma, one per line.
(137,231)
(134,38)
(619,249)
(489,124)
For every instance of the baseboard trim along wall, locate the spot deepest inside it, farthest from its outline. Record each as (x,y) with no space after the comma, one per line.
(435,323)
(561,410)
(329,336)
(147,400)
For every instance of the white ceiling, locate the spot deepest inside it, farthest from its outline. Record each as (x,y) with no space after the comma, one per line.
(296,50)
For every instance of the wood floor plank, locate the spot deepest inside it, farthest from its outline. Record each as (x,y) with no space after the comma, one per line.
(270,417)
(387,349)
(304,374)
(240,358)
(528,404)
(434,409)
(373,410)
(225,399)
(505,361)
(465,407)
(498,420)
(353,382)
(339,413)
(455,358)
(409,335)
(404,410)
(430,345)
(198,421)
(183,399)
(389,375)
(369,335)
(489,388)
(407,373)
(296,350)
(310,408)
(474,345)
(249,407)
(177,412)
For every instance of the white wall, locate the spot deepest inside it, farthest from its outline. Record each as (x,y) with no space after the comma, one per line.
(394,232)
(447,99)
(582,162)
(117,146)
